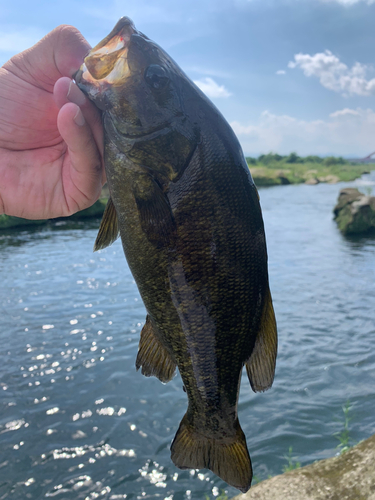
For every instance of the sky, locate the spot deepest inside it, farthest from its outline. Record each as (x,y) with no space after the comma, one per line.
(288,75)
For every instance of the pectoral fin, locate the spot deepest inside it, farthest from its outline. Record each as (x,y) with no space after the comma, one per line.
(261,365)
(108,231)
(155,212)
(152,356)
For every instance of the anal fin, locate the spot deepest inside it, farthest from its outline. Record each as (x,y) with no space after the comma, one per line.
(108,230)
(228,457)
(262,363)
(152,356)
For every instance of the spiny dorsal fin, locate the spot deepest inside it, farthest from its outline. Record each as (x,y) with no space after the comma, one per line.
(261,365)
(153,357)
(228,458)
(108,231)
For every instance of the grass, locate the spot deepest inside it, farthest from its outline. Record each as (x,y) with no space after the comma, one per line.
(273,169)
(344,435)
(292,461)
(96,210)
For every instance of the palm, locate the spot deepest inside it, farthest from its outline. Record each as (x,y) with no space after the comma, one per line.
(45,174)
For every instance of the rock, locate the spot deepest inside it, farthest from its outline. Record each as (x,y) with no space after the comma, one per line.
(350,476)
(312,181)
(330,179)
(354,212)
(283,176)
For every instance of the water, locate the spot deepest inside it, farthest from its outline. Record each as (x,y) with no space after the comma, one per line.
(78,422)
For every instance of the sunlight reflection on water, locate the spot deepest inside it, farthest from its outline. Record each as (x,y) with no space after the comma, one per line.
(78,422)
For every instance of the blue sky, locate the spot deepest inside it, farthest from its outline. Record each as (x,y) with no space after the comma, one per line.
(288,75)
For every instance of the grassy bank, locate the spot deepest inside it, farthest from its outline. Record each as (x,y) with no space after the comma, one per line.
(267,170)
(96,210)
(273,169)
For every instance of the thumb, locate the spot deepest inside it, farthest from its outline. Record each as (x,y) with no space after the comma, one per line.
(82,173)
(59,53)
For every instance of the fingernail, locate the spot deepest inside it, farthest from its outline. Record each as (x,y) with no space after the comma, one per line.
(75,95)
(79,118)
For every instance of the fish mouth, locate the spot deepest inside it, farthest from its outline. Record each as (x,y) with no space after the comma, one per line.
(107,62)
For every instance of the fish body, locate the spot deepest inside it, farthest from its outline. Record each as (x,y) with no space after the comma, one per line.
(187,210)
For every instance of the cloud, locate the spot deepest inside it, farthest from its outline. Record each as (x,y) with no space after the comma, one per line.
(334,74)
(350,2)
(280,72)
(211,88)
(346,132)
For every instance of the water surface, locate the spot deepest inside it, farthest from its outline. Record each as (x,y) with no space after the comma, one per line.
(78,422)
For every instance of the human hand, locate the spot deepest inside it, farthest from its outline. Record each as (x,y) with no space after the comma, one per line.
(51,138)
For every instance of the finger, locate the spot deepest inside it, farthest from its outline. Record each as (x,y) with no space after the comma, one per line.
(65,90)
(59,53)
(83,169)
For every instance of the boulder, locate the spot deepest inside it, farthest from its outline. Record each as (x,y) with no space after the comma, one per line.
(354,212)
(312,181)
(349,476)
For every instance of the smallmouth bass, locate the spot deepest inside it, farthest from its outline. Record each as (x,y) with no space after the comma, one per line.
(188,213)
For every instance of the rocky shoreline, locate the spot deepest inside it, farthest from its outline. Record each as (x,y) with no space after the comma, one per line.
(349,476)
(264,176)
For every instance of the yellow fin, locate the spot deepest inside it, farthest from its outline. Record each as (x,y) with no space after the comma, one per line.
(261,365)
(108,231)
(228,457)
(153,357)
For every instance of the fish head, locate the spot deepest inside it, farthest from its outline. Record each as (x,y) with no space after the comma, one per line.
(133,79)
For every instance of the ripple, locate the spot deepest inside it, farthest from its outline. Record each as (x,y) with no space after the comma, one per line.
(78,422)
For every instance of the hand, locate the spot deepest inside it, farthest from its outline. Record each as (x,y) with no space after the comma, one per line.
(51,138)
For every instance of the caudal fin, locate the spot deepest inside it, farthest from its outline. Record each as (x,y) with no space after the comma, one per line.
(227,457)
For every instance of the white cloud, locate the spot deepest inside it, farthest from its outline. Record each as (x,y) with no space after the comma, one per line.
(334,74)
(211,88)
(350,2)
(345,132)
(280,72)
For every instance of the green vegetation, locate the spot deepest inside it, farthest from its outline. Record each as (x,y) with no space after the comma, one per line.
(96,210)
(344,435)
(272,169)
(292,462)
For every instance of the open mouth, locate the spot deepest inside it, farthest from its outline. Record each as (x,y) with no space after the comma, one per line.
(107,61)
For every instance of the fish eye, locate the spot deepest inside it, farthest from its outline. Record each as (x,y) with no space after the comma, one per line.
(156,76)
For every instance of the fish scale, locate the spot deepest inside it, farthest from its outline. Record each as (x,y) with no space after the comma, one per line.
(188,213)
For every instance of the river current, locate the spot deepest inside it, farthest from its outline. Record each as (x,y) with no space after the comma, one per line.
(78,422)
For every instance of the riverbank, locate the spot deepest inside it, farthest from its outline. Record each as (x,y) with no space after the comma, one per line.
(267,170)
(349,476)
(96,210)
(280,172)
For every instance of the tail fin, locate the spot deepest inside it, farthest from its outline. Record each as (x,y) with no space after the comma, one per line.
(228,457)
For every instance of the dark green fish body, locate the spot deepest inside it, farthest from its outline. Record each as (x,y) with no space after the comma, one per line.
(187,210)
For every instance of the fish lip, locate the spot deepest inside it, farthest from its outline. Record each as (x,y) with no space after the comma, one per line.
(101,61)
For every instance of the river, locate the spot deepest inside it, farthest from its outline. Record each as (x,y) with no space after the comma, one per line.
(78,422)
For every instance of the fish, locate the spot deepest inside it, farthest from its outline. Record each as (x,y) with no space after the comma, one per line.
(184,203)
